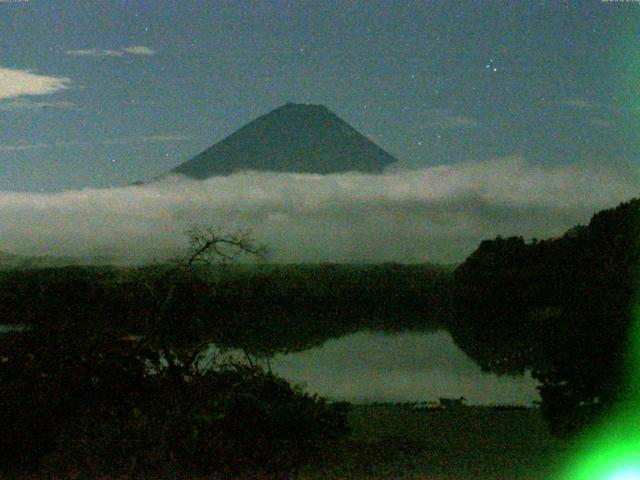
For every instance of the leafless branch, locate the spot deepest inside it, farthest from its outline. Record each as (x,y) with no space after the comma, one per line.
(208,244)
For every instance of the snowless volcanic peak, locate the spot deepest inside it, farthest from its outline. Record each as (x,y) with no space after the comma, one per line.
(293,138)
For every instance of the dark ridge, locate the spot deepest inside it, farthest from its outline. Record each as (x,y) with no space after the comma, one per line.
(292,138)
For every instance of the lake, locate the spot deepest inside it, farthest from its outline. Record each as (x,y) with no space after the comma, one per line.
(369,366)
(400,367)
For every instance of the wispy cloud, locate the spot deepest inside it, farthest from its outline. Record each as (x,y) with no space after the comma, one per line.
(19,147)
(145,139)
(97,52)
(433,214)
(16,83)
(22,147)
(578,103)
(601,123)
(441,118)
(109,141)
(585,104)
(94,52)
(139,50)
(24,104)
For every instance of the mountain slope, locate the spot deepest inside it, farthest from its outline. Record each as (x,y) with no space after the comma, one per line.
(293,138)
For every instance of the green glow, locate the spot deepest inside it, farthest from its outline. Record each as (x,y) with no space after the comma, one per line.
(610,452)
(611,449)
(631,473)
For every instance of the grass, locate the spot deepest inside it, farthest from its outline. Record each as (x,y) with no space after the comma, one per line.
(394,442)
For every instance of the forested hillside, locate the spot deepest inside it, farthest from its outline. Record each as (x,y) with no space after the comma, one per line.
(561,307)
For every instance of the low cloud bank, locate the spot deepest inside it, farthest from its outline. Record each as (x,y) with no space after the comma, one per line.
(436,214)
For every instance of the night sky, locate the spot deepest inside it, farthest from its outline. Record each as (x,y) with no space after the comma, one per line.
(508,118)
(101,94)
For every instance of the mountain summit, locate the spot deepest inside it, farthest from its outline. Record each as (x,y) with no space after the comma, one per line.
(293,138)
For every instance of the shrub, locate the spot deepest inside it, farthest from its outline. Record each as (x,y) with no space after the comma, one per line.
(231,421)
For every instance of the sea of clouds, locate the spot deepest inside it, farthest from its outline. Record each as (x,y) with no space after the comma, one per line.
(436,214)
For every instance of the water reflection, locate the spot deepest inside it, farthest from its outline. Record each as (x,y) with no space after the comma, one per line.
(409,366)
(7,328)
(392,367)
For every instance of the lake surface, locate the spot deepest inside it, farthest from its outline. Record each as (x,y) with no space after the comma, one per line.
(370,366)
(400,367)
(5,328)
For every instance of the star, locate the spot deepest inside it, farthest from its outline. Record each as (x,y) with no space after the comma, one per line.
(490,66)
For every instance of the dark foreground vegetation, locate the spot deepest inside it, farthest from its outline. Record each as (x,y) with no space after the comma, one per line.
(235,421)
(471,443)
(110,376)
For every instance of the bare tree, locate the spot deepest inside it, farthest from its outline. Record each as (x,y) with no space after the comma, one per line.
(211,245)
(208,246)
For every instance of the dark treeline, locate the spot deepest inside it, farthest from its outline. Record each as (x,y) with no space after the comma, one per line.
(561,307)
(265,309)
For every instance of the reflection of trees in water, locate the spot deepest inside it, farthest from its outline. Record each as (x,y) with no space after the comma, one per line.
(265,309)
(293,308)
